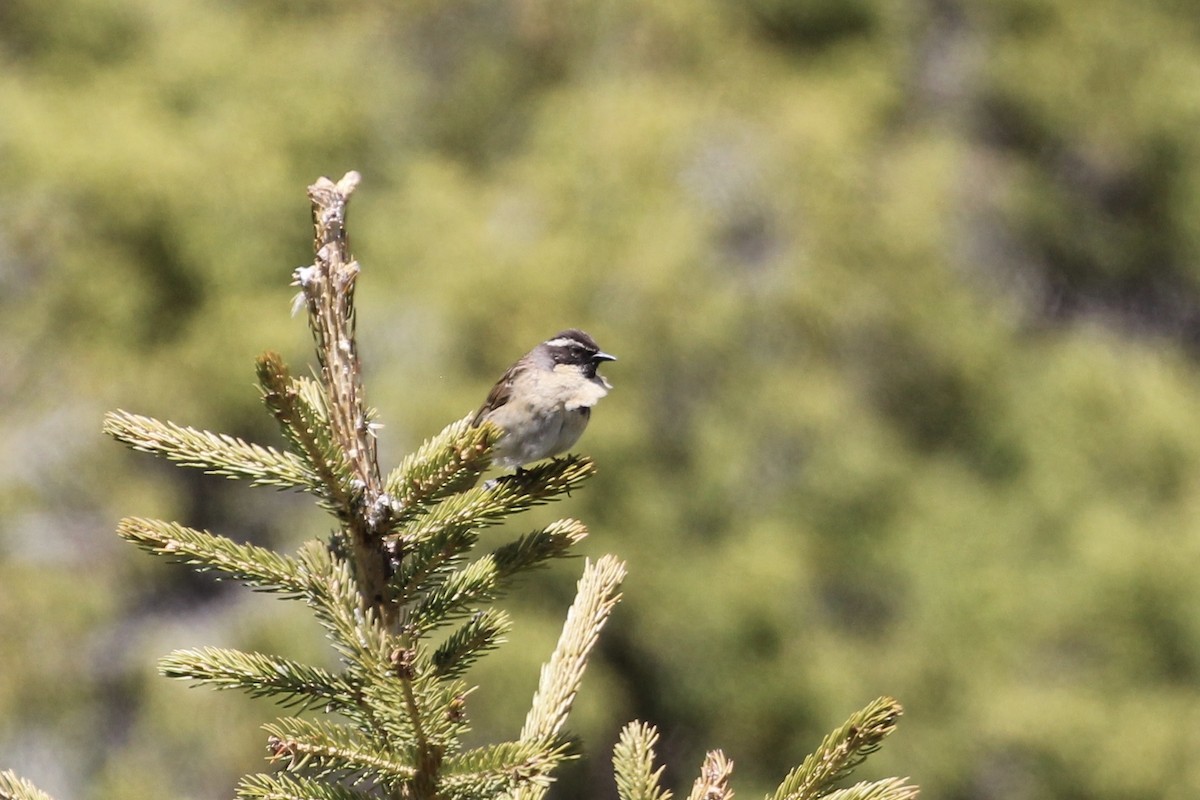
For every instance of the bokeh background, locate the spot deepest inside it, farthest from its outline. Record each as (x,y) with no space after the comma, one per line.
(907,302)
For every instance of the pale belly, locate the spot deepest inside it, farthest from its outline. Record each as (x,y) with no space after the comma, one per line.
(552,434)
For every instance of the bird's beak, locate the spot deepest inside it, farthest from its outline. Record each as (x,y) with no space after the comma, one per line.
(603,357)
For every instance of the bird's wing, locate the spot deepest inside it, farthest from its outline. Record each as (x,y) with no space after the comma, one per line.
(500,394)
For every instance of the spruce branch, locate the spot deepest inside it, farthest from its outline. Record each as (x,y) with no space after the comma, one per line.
(293,683)
(886,789)
(450,594)
(542,483)
(354,626)
(508,494)
(323,749)
(454,596)
(383,709)
(281,786)
(400,698)
(535,549)
(299,408)
(841,751)
(429,565)
(448,463)
(495,769)
(427,753)
(369,651)
(713,783)
(424,565)
(14,788)
(595,597)
(633,764)
(484,631)
(258,567)
(215,453)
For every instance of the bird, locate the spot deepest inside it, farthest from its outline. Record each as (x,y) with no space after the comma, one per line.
(544,401)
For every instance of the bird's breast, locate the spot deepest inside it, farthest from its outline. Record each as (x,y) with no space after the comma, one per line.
(569,387)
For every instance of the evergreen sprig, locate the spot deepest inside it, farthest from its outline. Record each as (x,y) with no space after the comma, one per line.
(713,783)
(596,594)
(841,751)
(258,567)
(299,408)
(215,453)
(451,593)
(322,749)
(595,597)
(484,631)
(14,788)
(355,628)
(886,789)
(633,764)
(447,464)
(283,786)
(535,549)
(455,596)
(506,495)
(492,770)
(292,683)
(426,564)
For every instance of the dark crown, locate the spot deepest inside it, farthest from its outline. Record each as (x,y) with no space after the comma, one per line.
(573,346)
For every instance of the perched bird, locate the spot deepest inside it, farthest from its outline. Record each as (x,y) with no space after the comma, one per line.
(545,399)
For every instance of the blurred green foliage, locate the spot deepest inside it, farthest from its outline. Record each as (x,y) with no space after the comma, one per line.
(907,303)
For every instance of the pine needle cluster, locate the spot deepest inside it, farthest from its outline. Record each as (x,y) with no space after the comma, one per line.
(404,590)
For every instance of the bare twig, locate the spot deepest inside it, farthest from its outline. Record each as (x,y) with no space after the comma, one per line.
(327,287)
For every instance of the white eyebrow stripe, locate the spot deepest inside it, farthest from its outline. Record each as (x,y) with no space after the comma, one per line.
(564,341)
